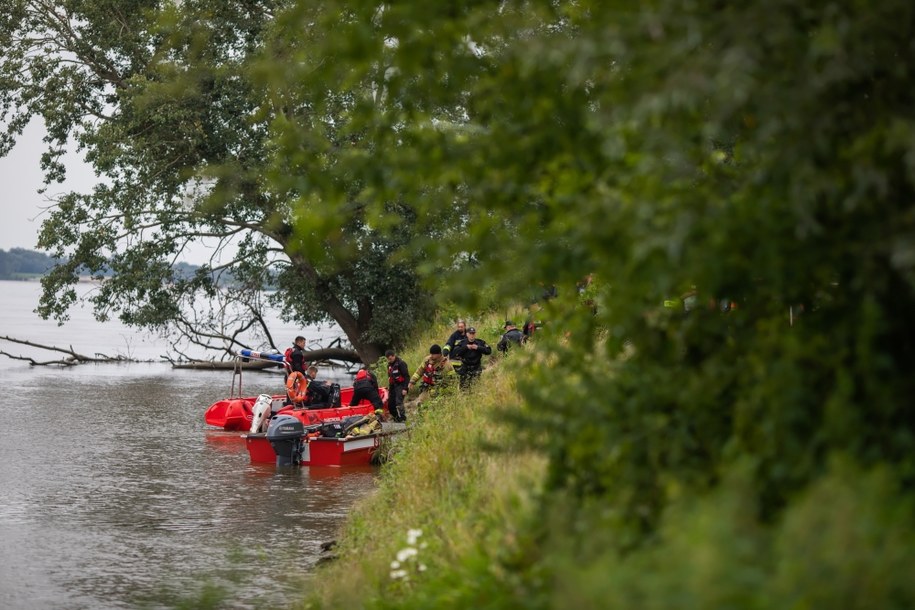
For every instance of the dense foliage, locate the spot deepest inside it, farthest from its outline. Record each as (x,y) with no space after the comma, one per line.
(754,159)
(752,444)
(159,96)
(493,537)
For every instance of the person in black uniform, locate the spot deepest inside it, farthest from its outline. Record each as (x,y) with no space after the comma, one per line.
(511,335)
(297,358)
(398,378)
(471,351)
(459,334)
(317,396)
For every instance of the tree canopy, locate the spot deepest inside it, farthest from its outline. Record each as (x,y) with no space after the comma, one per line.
(160,98)
(753,158)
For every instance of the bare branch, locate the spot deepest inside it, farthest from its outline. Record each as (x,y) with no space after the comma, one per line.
(73,358)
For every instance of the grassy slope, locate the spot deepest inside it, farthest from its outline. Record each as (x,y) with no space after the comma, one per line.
(489,542)
(458,479)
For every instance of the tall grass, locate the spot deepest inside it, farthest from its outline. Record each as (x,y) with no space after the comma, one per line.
(460,519)
(461,480)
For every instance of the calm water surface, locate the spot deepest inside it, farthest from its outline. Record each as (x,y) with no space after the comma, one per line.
(115,494)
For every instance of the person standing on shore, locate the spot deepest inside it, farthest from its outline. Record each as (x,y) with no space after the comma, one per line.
(471,351)
(460,332)
(433,375)
(510,336)
(398,379)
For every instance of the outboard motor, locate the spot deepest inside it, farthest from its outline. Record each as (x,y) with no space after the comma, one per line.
(261,412)
(286,434)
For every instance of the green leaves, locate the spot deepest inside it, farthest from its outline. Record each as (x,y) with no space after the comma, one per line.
(168,103)
(757,154)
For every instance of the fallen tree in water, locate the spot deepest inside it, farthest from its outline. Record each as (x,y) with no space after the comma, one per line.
(73,358)
(324,354)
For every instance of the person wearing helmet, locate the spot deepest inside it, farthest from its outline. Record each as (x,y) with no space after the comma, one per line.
(365,387)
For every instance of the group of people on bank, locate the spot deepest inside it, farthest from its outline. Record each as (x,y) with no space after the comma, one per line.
(460,357)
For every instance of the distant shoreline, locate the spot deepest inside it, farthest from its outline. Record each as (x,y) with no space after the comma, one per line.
(20,264)
(35,277)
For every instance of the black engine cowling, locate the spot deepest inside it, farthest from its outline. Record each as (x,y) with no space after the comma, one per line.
(286,435)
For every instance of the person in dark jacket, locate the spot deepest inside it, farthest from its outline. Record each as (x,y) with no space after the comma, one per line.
(510,336)
(366,388)
(398,378)
(471,351)
(459,334)
(317,396)
(297,358)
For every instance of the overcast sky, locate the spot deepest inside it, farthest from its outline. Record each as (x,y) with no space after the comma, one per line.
(20,177)
(24,208)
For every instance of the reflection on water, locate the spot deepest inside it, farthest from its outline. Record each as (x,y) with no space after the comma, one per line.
(114,492)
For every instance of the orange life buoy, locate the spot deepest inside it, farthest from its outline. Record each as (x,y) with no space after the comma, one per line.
(296,386)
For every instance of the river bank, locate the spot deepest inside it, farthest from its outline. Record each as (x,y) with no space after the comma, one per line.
(460,483)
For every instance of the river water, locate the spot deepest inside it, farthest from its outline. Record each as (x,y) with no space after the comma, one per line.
(115,494)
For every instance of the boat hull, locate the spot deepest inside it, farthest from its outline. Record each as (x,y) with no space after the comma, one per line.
(319,451)
(235,414)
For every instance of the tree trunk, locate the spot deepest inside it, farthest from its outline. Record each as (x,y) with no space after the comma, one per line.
(352,327)
(368,352)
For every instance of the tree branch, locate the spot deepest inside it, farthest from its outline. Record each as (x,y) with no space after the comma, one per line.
(73,358)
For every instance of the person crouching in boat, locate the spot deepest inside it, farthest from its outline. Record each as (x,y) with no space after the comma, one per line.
(433,375)
(365,387)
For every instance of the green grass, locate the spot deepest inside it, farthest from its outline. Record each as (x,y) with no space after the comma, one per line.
(494,538)
(460,478)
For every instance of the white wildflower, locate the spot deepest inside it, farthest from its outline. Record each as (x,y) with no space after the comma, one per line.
(413,535)
(406,561)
